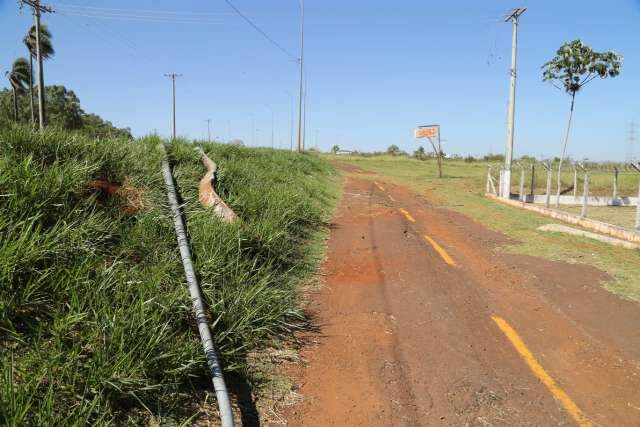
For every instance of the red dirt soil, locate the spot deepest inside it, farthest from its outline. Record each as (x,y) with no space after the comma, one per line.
(407,339)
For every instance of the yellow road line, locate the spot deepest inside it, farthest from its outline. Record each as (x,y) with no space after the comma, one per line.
(379,186)
(391,197)
(407,215)
(542,375)
(445,256)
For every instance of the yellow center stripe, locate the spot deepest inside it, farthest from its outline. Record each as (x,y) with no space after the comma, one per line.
(391,198)
(445,256)
(542,375)
(407,215)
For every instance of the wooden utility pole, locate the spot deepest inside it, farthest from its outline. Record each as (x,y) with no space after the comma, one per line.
(173,85)
(39,9)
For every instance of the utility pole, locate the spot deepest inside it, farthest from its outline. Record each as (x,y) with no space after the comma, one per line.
(272,127)
(173,85)
(632,141)
(508,157)
(38,9)
(304,116)
(272,122)
(301,61)
(291,100)
(208,130)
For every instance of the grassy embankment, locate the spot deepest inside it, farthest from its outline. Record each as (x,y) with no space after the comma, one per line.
(463,188)
(95,321)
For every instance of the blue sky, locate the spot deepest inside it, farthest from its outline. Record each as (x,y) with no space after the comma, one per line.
(375,70)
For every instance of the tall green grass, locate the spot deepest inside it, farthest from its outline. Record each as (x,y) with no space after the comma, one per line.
(95,321)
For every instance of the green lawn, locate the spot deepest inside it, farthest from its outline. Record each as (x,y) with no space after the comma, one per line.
(463,188)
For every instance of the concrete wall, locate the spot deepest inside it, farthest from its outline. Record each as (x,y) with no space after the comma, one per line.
(577,201)
(601,227)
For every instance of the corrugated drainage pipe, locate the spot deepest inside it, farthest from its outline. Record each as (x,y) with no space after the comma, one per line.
(224,405)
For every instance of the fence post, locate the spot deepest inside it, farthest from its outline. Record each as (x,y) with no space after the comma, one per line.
(638,211)
(586,194)
(575,181)
(533,179)
(549,177)
(615,182)
(488,190)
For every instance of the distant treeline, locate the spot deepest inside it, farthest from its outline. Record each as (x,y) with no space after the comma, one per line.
(421,154)
(63,112)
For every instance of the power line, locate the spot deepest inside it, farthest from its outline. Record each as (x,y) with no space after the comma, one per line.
(261,32)
(132,17)
(147,11)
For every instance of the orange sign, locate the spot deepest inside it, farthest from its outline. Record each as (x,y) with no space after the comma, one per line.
(427,132)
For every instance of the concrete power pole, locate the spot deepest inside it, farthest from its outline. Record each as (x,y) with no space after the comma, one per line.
(38,9)
(300,137)
(632,141)
(173,86)
(508,156)
(208,130)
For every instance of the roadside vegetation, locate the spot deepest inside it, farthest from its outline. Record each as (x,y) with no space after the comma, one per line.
(462,189)
(95,321)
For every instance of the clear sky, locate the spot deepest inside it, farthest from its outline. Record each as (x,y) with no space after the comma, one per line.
(375,70)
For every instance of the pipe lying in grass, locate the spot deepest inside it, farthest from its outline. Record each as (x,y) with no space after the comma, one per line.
(224,405)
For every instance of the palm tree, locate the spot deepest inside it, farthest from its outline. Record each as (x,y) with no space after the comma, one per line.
(18,77)
(46,50)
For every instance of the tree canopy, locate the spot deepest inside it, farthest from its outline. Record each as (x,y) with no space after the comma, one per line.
(63,111)
(19,75)
(393,149)
(577,64)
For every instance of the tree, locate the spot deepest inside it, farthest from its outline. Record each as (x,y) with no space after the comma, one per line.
(335,149)
(420,153)
(18,78)
(46,50)
(574,66)
(393,149)
(65,112)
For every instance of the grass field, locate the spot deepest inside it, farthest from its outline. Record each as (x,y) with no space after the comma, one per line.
(95,320)
(463,188)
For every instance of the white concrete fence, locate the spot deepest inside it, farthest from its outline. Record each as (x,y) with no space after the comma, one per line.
(585,200)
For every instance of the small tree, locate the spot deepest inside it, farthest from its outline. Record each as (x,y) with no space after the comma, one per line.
(574,66)
(420,153)
(393,149)
(335,149)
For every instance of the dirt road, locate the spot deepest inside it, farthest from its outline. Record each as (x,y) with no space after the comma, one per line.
(424,323)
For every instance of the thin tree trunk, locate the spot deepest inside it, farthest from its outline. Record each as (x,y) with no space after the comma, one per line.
(15,104)
(564,150)
(32,101)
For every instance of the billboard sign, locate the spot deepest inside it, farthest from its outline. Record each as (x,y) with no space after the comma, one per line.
(427,131)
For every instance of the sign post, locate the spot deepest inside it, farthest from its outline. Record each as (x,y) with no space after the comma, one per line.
(429,132)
